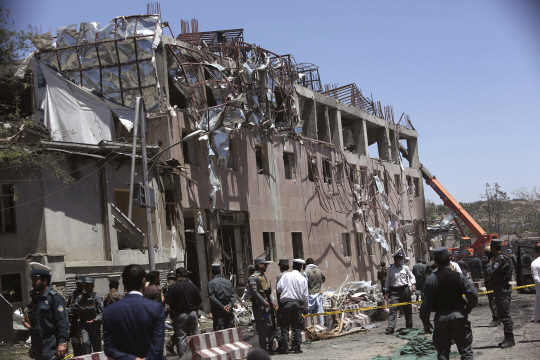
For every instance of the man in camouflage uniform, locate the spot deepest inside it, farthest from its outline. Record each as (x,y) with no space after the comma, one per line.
(28,314)
(500,270)
(89,308)
(113,295)
(262,300)
(495,321)
(73,318)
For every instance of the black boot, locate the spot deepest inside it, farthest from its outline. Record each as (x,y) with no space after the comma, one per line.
(508,341)
(389,331)
(494,323)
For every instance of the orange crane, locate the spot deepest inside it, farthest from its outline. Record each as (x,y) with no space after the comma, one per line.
(482,237)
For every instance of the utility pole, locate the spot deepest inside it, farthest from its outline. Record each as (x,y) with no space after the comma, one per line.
(133,155)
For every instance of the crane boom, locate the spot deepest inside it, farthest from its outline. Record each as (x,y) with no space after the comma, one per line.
(482,237)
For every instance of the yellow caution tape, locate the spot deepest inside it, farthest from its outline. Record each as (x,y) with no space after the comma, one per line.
(392,305)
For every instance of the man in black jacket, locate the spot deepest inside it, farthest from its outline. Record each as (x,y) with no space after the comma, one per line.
(184,299)
(443,293)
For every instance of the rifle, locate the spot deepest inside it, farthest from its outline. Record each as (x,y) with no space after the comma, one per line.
(272,314)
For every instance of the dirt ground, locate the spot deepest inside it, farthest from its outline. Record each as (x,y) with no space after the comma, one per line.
(485,339)
(374,342)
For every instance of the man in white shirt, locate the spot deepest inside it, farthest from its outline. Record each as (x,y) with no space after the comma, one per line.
(535,271)
(397,289)
(293,288)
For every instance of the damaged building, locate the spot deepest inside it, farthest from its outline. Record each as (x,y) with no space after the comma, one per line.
(280,167)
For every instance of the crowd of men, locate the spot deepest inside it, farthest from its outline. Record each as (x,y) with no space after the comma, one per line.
(135,326)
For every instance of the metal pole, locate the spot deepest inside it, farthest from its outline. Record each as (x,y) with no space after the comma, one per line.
(149,232)
(133,154)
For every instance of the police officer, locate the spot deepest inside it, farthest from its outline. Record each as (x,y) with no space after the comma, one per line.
(381,273)
(443,292)
(50,322)
(495,321)
(283,268)
(222,297)
(500,270)
(246,294)
(113,295)
(73,319)
(398,291)
(89,308)
(418,271)
(263,302)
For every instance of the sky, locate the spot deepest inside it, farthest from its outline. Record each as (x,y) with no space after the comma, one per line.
(466,72)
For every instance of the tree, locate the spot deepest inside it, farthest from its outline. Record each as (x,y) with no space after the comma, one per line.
(531,211)
(494,206)
(15,111)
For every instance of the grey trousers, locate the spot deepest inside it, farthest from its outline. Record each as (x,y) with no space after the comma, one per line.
(452,325)
(262,321)
(400,295)
(502,299)
(185,323)
(291,316)
(90,337)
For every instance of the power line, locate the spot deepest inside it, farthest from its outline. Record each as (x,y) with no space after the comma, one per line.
(64,188)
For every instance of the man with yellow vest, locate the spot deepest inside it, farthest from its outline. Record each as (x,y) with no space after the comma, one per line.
(263,302)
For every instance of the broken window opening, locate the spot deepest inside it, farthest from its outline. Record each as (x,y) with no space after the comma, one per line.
(10,287)
(339,173)
(353,174)
(397,182)
(261,158)
(409,186)
(7,209)
(416,183)
(176,97)
(327,171)
(138,217)
(359,237)
(231,163)
(346,244)
(269,243)
(312,168)
(192,254)
(371,247)
(191,148)
(289,165)
(363,176)
(297,245)
(170,209)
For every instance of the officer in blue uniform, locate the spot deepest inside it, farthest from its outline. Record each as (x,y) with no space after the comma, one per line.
(89,309)
(500,270)
(51,326)
(222,298)
(443,293)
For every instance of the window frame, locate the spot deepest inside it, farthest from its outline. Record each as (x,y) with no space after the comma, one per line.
(9,200)
(327,170)
(271,239)
(289,170)
(263,151)
(346,240)
(192,143)
(297,254)
(359,239)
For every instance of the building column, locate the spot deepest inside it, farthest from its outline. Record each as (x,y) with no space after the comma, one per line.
(309,115)
(360,137)
(336,129)
(393,145)
(412,148)
(383,143)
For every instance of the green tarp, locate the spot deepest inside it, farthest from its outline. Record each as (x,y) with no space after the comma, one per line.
(419,347)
